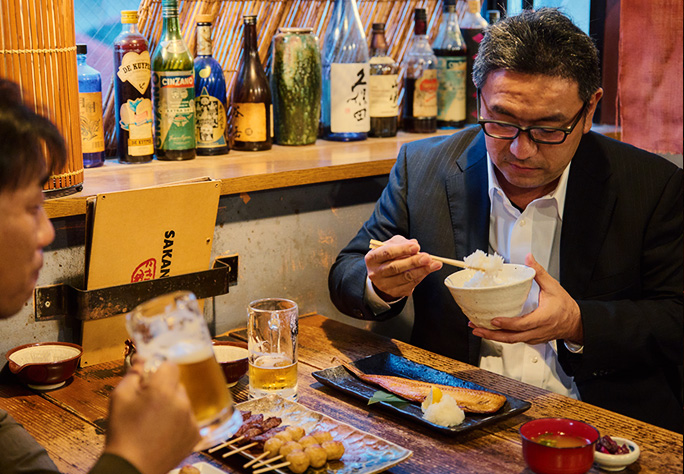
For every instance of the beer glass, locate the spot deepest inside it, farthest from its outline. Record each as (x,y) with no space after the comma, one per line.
(172,328)
(272,342)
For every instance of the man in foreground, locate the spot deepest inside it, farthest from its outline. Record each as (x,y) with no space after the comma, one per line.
(151,425)
(599,221)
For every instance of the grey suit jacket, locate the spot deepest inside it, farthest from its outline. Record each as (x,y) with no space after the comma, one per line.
(620,258)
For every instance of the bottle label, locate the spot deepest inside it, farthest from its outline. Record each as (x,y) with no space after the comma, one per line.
(425,94)
(384,90)
(174,92)
(92,133)
(135,69)
(210,115)
(136,117)
(349,106)
(451,76)
(249,122)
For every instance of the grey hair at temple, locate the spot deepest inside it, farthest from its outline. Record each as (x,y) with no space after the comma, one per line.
(24,135)
(545,42)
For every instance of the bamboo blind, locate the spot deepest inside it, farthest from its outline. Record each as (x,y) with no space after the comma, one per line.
(272,14)
(38,51)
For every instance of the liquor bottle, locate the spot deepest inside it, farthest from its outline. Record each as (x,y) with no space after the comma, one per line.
(251,99)
(450,50)
(493,16)
(210,95)
(420,83)
(90,110)
(132,92)
(173,90)
(472,25)
(345,114)
(384,86)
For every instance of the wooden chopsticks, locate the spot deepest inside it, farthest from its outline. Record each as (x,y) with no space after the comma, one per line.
(449,261)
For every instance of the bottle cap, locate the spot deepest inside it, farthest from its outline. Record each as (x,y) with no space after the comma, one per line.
(204,18)
(250,19)
(449,2)
(81,48)
(493,16)
(378,27)
(420,14)
(473,6)
(129,16)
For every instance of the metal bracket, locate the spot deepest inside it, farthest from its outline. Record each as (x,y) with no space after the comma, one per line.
(61,301)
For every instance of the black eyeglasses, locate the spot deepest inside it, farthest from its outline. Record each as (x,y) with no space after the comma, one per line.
(510,131)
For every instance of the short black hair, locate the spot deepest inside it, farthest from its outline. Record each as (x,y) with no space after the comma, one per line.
(31,146)
(544,42)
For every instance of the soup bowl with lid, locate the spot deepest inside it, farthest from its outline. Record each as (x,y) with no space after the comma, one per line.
(558,445)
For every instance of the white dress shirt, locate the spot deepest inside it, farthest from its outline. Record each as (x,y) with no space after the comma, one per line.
(514,234)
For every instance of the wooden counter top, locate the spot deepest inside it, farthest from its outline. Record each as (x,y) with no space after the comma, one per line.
(242,172)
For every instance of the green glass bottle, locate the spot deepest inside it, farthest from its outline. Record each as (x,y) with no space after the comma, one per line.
(173,90)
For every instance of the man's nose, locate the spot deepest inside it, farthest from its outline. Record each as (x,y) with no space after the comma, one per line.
(522,146)
(46,232)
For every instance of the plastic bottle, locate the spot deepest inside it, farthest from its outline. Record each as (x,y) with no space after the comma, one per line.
(384,86)
(345,114)
(90,110)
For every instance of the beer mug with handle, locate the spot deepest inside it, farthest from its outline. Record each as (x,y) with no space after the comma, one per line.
(172,328)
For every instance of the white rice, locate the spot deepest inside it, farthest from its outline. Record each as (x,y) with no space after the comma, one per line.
(492,266)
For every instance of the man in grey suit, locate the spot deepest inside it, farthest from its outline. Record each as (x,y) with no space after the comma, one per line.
(599,221)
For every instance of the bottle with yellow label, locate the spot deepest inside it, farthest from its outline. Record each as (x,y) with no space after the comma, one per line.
(90,110)
(210,95)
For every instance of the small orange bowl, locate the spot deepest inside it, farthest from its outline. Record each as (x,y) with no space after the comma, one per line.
(233,357)
(44,365)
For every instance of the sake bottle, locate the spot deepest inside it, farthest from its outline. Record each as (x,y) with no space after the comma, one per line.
(132,93)
(472,24)
(173,90)
(384,86)
(345,114)
(251,100)
(450,50)
(419,112)
(210,95)
(90,110)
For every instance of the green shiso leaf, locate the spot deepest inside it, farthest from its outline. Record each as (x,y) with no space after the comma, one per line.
(381,396)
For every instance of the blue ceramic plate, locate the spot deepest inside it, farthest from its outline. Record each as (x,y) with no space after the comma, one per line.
(390,364)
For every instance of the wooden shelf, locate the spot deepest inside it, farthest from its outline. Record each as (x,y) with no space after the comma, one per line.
(243,172)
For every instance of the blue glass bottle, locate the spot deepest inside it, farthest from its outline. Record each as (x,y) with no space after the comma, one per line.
(210,95)
(90,110)
(345,107)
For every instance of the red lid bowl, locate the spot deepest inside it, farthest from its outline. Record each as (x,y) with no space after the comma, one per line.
(543,459)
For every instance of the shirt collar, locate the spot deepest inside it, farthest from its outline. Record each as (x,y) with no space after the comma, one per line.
(557,195)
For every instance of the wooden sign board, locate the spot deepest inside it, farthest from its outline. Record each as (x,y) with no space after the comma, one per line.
(141,235)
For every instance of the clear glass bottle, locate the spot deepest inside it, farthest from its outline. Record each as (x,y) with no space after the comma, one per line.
(450,49)
(251,101)
(384,86)
(419,113)
(90,110)
(132,93)
(210,95)
(472,24)
(173,91)
(345,114)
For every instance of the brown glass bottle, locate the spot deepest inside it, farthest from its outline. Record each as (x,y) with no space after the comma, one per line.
(384,86)
(133,93)
(251,99)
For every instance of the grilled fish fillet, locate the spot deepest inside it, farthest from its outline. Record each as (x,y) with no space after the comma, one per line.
(473,401)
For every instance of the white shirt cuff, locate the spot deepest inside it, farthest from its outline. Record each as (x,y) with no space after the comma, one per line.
(374,302)
(574,348)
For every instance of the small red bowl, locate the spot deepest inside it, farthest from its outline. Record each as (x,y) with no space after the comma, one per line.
(543,459)
(44,365)
(233,357)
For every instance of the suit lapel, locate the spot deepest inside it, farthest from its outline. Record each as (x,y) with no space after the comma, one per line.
(589,205)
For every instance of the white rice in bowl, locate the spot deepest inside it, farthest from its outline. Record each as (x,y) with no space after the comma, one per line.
(492,266)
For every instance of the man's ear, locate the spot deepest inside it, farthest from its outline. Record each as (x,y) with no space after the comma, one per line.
(591,109)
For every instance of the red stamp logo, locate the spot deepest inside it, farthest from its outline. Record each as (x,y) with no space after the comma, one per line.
(145,271)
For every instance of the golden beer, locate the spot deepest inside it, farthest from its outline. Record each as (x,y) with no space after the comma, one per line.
(273,373)
(205,384)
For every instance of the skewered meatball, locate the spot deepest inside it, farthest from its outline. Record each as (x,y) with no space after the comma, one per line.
(317,456)
(284,435)
(273,445)
(307,441)
(322,436)
(333,449)
(290,447)
(299,461)
(296,432)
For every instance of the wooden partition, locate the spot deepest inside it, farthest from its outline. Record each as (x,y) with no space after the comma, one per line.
(272,14)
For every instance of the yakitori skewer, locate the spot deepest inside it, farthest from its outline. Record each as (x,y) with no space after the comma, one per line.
(239,450)
(256,459)
(227,443)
